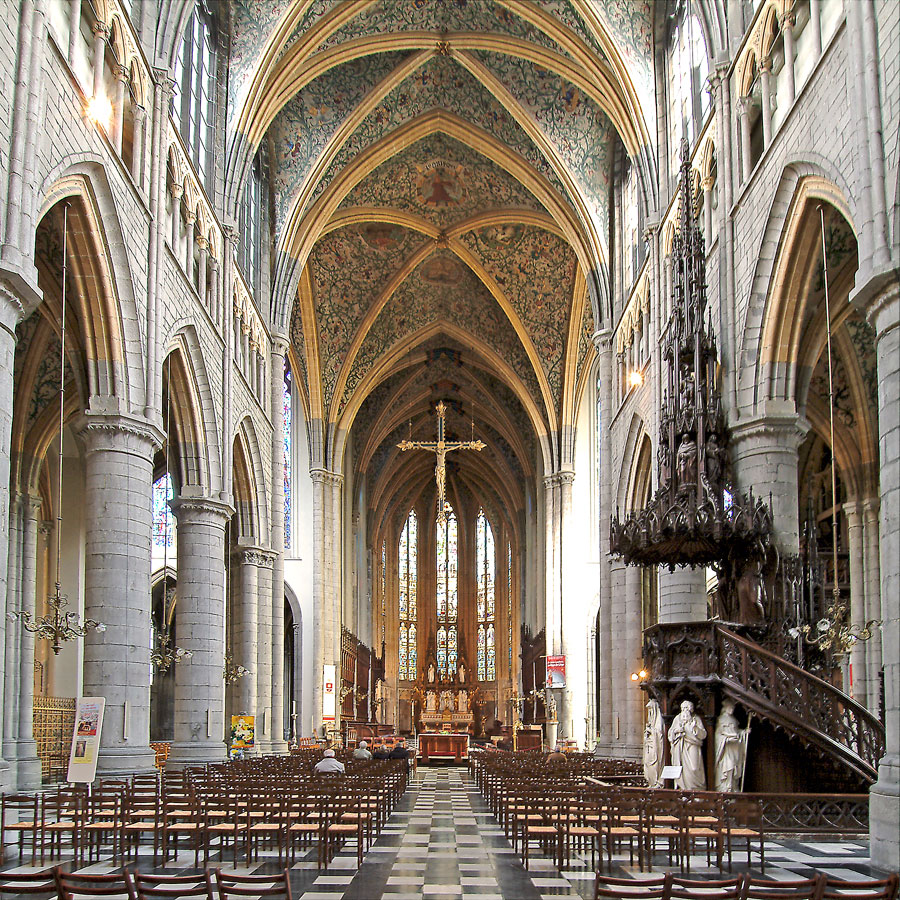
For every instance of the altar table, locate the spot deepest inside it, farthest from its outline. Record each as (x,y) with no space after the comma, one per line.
(453,747)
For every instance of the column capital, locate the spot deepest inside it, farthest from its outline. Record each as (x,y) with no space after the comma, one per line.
(12,310)
(323,476)
(199,509)
(176,189)
(119,432)
(788,431)
(101,29)
(879,298)
(871,507)
(280,343)
(202,243)
(254,556)
(602,339)
(787,19)
(765,65)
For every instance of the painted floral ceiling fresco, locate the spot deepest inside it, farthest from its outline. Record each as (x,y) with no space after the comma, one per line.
(441,173)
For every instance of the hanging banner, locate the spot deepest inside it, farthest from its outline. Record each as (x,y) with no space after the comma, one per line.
(86,739)
(556,672)
(328,693)
(243,735)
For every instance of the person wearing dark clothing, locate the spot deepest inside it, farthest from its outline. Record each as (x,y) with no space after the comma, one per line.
(381,752)
(400,751)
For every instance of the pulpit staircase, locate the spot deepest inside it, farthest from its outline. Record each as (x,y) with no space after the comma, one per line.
(708,659)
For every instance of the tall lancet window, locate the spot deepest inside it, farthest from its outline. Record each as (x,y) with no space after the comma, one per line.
(447,594)
(408,572)
(485,566)
(287,443)
(509,609)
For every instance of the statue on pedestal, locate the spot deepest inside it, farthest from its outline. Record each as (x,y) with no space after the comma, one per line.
(686,738)
(731,749)
(430,676)
(654,745)
(430,701)
(462,701)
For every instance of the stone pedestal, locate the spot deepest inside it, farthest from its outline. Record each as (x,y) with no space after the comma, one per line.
(118,452)
(199,684)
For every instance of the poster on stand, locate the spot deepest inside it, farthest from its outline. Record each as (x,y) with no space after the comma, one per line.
(328,694)
(243,735)
(86,739)
(556,672)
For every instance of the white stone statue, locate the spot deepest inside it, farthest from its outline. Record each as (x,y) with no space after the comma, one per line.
(731,749)
(462,673)
(431,673)
(431,701)
(686,738)
(446,700)
(654,745)
(462,701)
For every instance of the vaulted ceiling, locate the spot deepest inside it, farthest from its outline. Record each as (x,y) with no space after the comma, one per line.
(441,175)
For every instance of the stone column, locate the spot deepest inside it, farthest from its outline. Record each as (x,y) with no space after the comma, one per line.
(11,313)
(203,250)
(101,36)
(189,221)
(74,30)
(276,596)
(245,631)
(199,683)
(765,96)
(859,687)
(118,474)
(815,27)
(765,459)
(573,699)
(884,802)
(176,190)
(137,151)
(264,651)
(614,670)
(871,544)
(326,590)
(788,20)
(553,583)
(707,185)
(744,119)
(119,108)
(632,661)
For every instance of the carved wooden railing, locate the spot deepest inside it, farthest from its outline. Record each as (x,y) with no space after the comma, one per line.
(810,707)
(708,655)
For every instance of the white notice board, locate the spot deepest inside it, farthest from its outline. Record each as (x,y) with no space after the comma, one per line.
(86,739)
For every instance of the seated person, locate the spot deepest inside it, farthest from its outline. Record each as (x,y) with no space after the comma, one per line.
(400,751)
(382,751)
(362,751)
(329,765)
(557,756)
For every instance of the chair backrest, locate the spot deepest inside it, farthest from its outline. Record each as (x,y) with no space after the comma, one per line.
(693,889)
(69,885)
(885,889)
(801,889)
(624,888)
(232,885)
(27,883)
(173,885)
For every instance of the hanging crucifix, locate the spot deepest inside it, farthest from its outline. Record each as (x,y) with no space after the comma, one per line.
(441,447)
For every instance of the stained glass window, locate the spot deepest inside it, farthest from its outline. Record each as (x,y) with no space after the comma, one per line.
(485,565)
(163,524)
(383,585)
(407,578)
(509,609)
(287,443)
(447,593)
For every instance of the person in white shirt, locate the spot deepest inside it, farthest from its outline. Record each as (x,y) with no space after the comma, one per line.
(329,765)
(362,751)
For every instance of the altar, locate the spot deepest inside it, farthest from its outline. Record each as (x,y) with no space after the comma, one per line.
(447,747)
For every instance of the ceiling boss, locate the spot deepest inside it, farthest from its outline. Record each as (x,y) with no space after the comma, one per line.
(441,447)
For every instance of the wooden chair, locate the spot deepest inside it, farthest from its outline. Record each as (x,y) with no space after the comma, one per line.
(173,886)
(801,889)
(334,830)
(885,889)
(22,883)
(62,816)
(231,885)
(541,826)
(104,822)
(625,888)
(265,822)
(180,821)
(19,817)
(625,820)
(679,888)
(70,885)
(703,822)
(744,822)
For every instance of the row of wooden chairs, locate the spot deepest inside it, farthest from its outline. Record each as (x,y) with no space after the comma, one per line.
(215,885)
(744,887)
(208,810)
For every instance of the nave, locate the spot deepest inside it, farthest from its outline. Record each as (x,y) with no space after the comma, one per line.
(443,841)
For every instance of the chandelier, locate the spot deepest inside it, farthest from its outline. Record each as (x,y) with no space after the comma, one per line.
(59,625)
(832,634)
(232,672)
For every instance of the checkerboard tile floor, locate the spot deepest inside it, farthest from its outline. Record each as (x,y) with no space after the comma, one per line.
(442,842)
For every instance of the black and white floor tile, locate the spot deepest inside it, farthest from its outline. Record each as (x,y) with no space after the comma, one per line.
(442,842)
